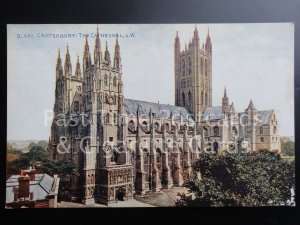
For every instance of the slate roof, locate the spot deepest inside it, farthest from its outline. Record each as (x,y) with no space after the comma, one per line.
(215,113)
(265,118)
(40,187)
(158,110)
(212,113)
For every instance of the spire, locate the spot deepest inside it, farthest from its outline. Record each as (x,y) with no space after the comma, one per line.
(68,65)
(107,56)
(231,108)
(78,71)
(97,49)
(225,93)
(86,55)
(251,105)
(225,102)
(208,45)
(196,37)
(117,57)
(59,69)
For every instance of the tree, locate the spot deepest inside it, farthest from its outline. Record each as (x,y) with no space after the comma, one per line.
(288,147)
(259,178)
(36,153)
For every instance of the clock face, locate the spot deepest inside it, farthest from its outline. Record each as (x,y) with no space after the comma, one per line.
(110,99)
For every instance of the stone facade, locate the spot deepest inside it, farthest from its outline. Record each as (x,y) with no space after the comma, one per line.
(124,147)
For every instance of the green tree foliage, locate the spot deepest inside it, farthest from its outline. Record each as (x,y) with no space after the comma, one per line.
(288,148)
(62,168)
(240,179)
(38,153)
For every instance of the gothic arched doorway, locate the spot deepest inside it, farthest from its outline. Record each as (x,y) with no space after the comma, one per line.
(120,194)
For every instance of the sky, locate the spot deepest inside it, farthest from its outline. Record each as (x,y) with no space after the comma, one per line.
(253,61)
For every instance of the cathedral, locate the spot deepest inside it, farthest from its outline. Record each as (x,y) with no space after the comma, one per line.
(125,147)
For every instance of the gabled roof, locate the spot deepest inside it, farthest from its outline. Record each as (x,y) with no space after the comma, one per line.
(158,110)
(266,116)
(40,187)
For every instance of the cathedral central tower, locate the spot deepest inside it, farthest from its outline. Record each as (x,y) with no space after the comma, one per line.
(193,74)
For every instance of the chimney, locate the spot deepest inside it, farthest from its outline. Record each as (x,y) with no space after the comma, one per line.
(38,167)
(23,186)
(31,173)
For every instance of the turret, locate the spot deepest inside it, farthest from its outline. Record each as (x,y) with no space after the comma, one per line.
(87,62)
(107,56)
(208,45)
(231,108)
(225,102)
(176,65)
(68,65)
(78,70)
(97,50)
(251,109)
(59,68)
(196,41)
(117,56)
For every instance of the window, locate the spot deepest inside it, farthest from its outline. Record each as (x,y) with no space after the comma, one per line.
(234,130)
(107,118)
(205,131)
(183,67)
(115,118)
(190,65)
(115,82)
(274,130)
(216,131)
(190,98)
(158,155)
(261,139)
(111,138)
(205,98)
(183,84)
(261,130)
(145,125)
(202,98)
(183,99)
(201,65)
(205,68)
(114,156)
(105,80)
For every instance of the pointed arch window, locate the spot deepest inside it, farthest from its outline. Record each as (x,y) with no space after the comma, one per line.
(190,65)
(205,131)
(205,67)
(216,131)
(107,118)
(158,155)
(114,157)
(190,98)
(115,82)
(183,98)
(201,65)
(183,67)
(261,130)
(274,129)
(234,130)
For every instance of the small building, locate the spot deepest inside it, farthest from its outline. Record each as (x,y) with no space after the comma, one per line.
(31,190)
